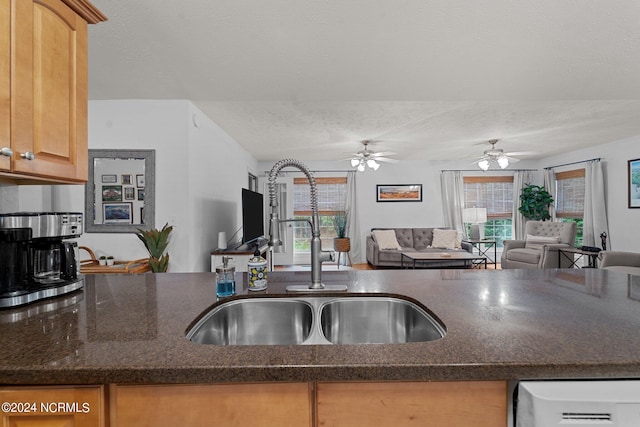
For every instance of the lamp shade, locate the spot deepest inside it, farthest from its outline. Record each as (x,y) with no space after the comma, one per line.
(474,215)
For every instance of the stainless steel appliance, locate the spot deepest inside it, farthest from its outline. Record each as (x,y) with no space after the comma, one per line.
(37,259)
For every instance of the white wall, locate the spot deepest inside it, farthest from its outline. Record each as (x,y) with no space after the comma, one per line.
(199,173)
(624,223)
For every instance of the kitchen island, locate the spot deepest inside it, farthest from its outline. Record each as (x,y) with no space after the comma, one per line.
(500,325)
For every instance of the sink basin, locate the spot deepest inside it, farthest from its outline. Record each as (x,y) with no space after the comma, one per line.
(377,321)
(315,320)
(255,321)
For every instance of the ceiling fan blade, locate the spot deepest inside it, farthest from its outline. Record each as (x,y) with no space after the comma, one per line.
(386,160)
(383,154)
(521,153)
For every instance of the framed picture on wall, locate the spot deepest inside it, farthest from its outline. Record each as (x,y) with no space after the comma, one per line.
(634,183)
(129,193)
(399,193)
(114,213)
(109,179)
(112,193)
(140,181)
(126,179)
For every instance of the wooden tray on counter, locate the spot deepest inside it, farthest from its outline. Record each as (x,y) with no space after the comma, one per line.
(92,265)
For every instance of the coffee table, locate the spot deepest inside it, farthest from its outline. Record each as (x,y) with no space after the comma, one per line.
(423,259)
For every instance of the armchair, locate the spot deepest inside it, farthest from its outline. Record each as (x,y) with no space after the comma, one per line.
(625,262)
(540,247)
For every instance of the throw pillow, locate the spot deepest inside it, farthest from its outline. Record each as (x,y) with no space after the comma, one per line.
(537,242)
(445,239)
(386,239)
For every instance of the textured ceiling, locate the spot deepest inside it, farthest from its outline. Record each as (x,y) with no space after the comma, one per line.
(426,79)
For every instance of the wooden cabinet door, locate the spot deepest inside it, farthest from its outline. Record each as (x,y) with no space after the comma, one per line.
(229,405)
(52,406)
(398,404)
(5,82)
(49,90)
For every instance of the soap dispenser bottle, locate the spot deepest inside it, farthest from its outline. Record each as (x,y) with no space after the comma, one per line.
(257,272)
(225,278)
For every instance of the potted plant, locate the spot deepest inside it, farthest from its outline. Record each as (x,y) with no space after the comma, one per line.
(341,243)
(102,260)
(110,260)
(156,242)
(535,202)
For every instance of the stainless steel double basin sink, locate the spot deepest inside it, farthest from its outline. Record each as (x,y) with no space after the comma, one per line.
(315,320)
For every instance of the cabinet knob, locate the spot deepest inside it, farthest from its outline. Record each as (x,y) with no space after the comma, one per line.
(6,151)
(28,155)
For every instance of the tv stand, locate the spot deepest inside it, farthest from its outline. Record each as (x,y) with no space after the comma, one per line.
(241,255)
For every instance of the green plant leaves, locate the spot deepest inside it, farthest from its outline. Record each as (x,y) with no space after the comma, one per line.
(156,242)
(535,202)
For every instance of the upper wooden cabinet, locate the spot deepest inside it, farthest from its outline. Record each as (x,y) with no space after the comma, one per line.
(45,105)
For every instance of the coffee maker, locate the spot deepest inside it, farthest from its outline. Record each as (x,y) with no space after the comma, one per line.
(37,259)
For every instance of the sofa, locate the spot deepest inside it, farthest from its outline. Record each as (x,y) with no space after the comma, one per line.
(410,239)
(624,262)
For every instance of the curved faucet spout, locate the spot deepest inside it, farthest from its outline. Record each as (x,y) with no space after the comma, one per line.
(317,254)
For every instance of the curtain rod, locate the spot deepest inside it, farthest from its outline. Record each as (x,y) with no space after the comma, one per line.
(489,170)
(574,163)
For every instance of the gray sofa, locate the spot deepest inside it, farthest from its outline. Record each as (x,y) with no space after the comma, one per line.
(410,239)
(624,262)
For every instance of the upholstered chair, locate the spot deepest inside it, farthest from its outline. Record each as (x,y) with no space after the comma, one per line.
(539,249)
(625,262)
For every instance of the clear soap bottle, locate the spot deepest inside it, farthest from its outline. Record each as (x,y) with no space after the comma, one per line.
(225,278)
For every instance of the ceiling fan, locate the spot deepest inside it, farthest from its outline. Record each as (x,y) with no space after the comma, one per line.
(497,155)
(366,158)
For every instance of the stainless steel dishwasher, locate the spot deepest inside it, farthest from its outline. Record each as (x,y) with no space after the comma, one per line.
(591,403)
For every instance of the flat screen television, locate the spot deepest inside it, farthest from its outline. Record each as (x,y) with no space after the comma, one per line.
(252,216)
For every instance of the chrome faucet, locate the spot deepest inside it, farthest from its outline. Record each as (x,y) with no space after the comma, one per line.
(318,256)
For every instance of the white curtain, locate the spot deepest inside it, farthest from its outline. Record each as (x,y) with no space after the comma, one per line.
(520,180)
(550,186)
(452,199)
(595,212)
(353,229)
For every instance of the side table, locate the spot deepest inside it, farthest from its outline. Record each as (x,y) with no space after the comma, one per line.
(482,251)
(570,255)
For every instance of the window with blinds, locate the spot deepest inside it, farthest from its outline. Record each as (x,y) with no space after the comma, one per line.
(495,193)
(569,201)
(332,198)
(570,194)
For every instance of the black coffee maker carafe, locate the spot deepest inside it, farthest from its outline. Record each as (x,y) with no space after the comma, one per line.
(14,260)
(37,260)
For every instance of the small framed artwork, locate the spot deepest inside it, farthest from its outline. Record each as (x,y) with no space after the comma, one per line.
(129,193)
(112,193)
(140,181)
(126,179)
(117,213)
(140,193)
(142,215)
(109,179)
(399,193)
(634,183)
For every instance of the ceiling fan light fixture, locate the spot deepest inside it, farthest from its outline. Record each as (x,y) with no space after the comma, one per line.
(361,167)
(373,164)
(503,162)
(483,164)
(355,162)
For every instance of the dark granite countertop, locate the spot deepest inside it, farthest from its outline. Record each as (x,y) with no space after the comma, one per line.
(500,325)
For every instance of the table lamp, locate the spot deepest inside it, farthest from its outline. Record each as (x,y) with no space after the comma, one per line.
(475,217)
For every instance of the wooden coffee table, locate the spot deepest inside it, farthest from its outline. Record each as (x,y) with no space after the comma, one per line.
(423,259)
